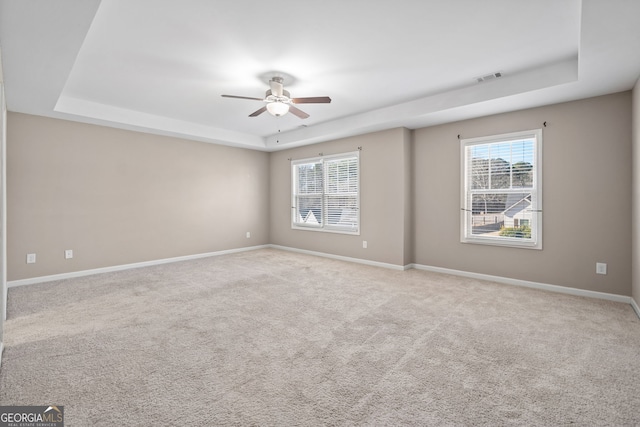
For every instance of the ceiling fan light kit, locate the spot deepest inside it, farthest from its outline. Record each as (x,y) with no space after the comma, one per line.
(279,102)
(277,108)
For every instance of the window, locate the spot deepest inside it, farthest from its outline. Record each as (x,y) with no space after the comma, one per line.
(501,190)
(326,194)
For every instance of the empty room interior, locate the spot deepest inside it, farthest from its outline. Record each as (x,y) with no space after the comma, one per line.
(320,213)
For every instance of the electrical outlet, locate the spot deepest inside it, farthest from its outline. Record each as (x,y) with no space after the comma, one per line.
(68,253)
(601,268)
(248,234)
(31,258)
(364,244)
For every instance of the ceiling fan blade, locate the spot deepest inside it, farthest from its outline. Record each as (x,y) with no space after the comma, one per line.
(258,112)
(242,97)
(297,112)
(276,87)
(312,100)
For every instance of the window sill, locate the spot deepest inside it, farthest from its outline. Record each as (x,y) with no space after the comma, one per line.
(326,230)
(502,242)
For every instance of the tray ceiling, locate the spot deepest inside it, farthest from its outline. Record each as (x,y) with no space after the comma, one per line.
(160,66)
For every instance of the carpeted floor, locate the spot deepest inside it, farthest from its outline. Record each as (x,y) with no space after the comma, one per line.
(272,338)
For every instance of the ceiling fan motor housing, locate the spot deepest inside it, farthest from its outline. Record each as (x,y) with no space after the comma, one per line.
(270,97)
(279,102)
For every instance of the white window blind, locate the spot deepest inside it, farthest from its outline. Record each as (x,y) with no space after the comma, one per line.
(501,190)
(308,193)
(326,193)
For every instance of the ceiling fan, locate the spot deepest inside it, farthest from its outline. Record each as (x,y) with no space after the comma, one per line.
(279,101)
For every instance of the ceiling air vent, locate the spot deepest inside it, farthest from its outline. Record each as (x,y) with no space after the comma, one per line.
(488,77)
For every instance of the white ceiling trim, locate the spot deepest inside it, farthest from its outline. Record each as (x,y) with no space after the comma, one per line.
(550,75)
(136,120)
(182,64)
(547,76)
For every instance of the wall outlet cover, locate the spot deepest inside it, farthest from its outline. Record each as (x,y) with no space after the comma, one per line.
(601,268)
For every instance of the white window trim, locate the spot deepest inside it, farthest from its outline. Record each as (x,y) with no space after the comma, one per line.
(465,219)
(325,227)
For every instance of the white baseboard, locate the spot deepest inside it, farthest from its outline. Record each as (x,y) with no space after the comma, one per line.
(82,273)
(634,304)
(497,279)
(528,284)
(343,258)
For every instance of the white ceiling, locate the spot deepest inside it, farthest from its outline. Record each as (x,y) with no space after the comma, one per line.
(160,66)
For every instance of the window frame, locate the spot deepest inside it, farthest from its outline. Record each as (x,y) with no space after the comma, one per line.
(324,225)
(466,216)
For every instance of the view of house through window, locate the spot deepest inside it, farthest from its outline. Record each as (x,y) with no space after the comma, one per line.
(325,194)
(501,194)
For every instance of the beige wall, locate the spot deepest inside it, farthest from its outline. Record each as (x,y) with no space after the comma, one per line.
(586,196)
(3,228)
(384,199)
(408,197)
(117,197)
(636,194)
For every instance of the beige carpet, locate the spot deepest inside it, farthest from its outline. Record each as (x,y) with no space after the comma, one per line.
(272,338)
